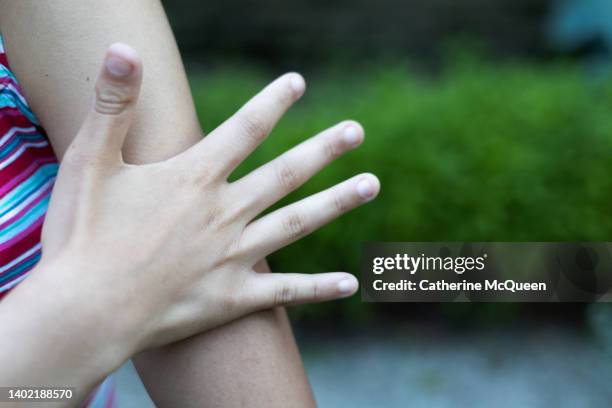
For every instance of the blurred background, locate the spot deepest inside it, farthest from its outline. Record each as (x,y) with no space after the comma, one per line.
(486,120)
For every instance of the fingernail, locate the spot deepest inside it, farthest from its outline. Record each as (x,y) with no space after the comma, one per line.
(298,85)
(365,189)
(118,60)
(118,67)
(351,135)
(347,286)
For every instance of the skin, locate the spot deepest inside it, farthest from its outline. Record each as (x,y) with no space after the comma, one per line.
(260,362)
(98,234)
(252,360)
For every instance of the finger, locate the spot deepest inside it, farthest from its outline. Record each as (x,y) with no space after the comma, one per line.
(273,181)
(117,89)
(235,139)
(268,290)
(294,221)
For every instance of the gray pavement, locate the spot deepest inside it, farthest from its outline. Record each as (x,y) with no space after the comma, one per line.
(420,367)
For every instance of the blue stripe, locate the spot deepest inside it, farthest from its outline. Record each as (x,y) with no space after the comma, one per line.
(26,221)
(17,140)
(9,99)
(28,187)
(14,204)
(6,73)
(19,269)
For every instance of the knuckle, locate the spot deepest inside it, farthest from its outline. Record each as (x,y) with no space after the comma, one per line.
(339,203)
(330,151)
(231,302)
(236,252)
(213,218)
(285,294)
(254,127)
(314,291)
(294,226)
(288,177)
(202,174)
(111,100)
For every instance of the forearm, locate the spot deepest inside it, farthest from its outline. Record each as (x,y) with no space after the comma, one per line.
(253,361)
(57,340)
(55,48)
(255,357)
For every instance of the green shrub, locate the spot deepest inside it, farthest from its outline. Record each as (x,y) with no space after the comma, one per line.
(481,152)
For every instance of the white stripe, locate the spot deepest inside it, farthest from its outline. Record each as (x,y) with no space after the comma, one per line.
(23,204)
(20,258)
(13,283)
(19,151)
(14,130)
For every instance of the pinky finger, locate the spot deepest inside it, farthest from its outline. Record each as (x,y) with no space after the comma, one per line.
(285,289)
(290,223)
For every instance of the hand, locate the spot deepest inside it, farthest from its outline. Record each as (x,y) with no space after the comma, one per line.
(168,249)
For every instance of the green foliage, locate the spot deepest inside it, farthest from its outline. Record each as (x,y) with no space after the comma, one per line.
(481,152)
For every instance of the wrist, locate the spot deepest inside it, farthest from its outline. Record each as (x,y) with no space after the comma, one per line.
(65,335)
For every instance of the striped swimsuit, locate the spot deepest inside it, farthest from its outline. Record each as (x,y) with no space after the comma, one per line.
(28,168)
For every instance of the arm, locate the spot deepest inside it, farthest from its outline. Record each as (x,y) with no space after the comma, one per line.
(43,341)
(253,361)
(95,298)
(55,49)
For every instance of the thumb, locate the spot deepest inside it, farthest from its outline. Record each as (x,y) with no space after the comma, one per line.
(117,89)
(285,289)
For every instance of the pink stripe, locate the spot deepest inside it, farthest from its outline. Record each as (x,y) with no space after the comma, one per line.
(26,259)
(6,187)
(20,149)
(28,207)
(10,111)
(8,80)
(23,233)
